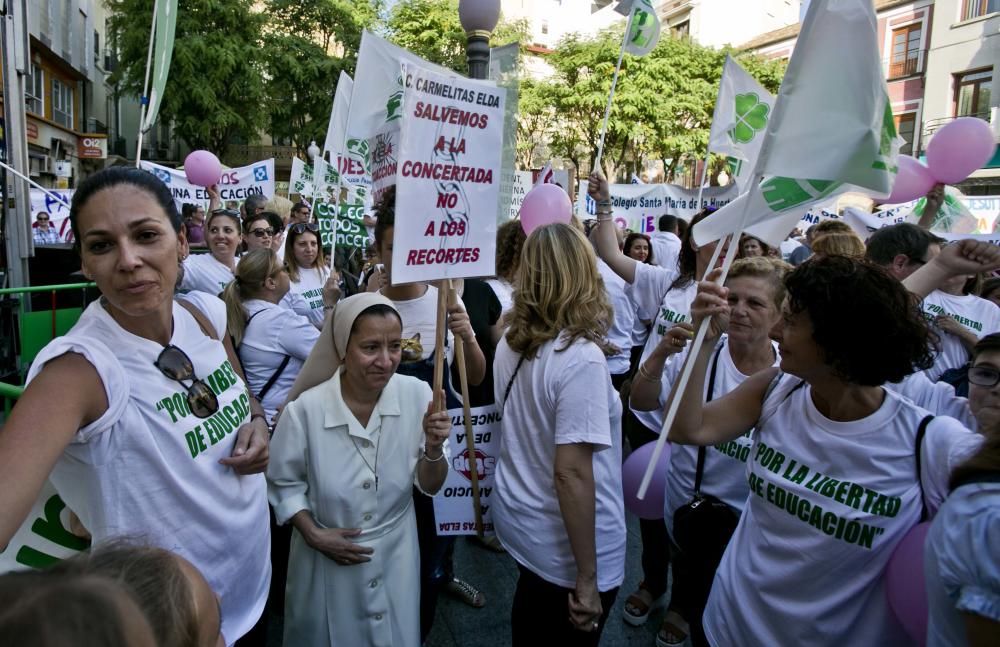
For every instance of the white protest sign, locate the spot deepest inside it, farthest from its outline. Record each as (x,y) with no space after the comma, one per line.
(236,184)
(453,506)
(44,537)
(638,207)
(449,180)
(54,202)
(524,182)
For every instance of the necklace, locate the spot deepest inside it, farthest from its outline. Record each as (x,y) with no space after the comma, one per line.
(378,443)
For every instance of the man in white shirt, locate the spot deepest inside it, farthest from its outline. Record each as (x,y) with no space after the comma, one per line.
(665,242)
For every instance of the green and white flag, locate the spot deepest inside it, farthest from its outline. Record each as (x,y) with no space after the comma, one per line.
(831,129)
(336,131)
(643,26)
(739,122)
(165,23)
(318,180)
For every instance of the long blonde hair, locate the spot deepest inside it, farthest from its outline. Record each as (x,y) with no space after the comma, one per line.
(253,269)
(558,291)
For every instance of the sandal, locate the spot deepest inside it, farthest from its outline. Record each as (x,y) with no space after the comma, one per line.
(673,631)
(466,593)
(639,605)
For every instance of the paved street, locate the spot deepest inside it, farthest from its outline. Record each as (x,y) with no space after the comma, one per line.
(459,625)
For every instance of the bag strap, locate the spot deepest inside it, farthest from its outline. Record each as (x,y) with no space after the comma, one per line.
(510,384)
(200,317)
(921,431)
(274,378)
(709,394)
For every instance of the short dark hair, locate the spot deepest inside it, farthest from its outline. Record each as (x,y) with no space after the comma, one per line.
(668,223)
(300,205)
(385,213)
(988,344)
(250,219)
(989,286)
(252,202)
(232,214)
(687,259)
(277,224)
(187,209)
(897,340)
(903,238)
(116,176)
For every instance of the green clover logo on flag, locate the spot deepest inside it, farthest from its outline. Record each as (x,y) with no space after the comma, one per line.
(751,117)
(783,193)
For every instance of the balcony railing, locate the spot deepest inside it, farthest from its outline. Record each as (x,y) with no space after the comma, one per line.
(931,126)
(911,64)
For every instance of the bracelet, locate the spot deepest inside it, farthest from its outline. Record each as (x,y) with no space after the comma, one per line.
(425,457)
(644,374)
(604,203)
(256,416)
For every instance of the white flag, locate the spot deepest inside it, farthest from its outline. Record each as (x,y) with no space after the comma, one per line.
(742,111)
(336,131)
(301,179)
(831,130)
(636,179)
(644,29)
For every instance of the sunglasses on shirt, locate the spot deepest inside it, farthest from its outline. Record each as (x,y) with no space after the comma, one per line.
(176,365)
(262,233)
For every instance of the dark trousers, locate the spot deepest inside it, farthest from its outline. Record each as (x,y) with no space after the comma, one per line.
(652,532)
(540,614)
(435,560)
(257,636)
(693,576)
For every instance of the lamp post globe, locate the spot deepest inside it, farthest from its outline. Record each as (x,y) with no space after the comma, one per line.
(479,18)
(313,151)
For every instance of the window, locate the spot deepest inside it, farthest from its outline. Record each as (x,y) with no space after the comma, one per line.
(62,103)
(972,94)
(975,8)
(681,29)
(545,27)
(34,90)
(905,127)
(906,55)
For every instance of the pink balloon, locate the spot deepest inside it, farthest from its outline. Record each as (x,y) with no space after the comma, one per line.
(959,148)
(905,586)
(634,468)
(913,181)
(202,168)
(543,205)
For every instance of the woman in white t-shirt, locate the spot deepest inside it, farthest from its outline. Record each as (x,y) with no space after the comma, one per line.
(718,474)
(663,295)
(308,270)
(211,272)
(151,433)
(638,247)
(272,342)
(962,565)
(840,468)
(961,318)
(558,506)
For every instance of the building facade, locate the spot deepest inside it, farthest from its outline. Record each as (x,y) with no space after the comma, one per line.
(939,59)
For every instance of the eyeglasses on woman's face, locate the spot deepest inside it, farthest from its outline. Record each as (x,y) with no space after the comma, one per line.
(984,375)
(262,232)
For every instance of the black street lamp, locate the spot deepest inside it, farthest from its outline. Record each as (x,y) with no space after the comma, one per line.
(478,18)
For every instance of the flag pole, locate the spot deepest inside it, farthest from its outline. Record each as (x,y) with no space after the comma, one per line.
(145,86)
(696,345)
(611,95)
(701,184)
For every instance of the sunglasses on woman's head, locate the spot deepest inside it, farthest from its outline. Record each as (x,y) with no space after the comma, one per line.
(261,233)
(303,227)
(176,365)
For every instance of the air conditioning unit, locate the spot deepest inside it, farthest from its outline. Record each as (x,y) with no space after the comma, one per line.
(39,166)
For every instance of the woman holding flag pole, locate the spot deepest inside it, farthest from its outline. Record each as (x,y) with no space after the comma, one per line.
(667,291)
(805,565)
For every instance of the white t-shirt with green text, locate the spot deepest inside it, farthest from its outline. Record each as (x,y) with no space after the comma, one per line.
(203,273)
(829,502)
(149,469)
(976,315)
(651,292)
(310,288)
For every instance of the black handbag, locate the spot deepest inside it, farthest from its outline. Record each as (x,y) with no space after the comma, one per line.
(704,525)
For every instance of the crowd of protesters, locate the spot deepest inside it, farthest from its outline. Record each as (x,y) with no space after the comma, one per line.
(243,433)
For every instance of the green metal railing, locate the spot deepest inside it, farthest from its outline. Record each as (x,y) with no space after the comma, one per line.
(9,393)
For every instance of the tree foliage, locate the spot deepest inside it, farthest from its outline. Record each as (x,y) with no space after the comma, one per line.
(662,106)
(215,90)
(431,29)
(305,47)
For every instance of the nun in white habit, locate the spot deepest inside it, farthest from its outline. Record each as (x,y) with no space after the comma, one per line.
(343,459)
